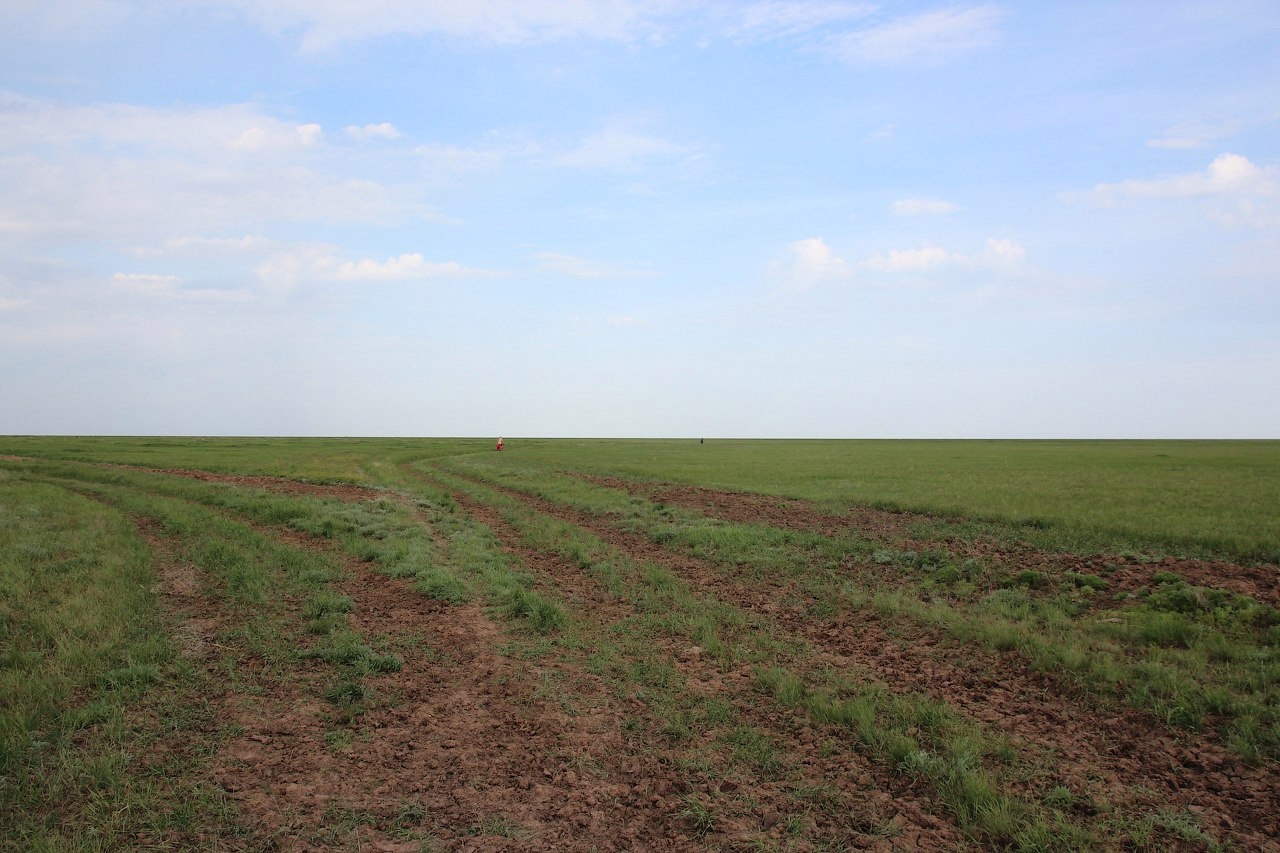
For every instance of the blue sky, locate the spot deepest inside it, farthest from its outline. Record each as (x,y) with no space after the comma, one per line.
(631,218)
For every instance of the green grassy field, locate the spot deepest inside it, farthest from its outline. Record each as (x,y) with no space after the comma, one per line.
(1043,663)
(1178,496)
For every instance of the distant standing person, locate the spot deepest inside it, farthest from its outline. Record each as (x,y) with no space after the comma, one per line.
(499,443)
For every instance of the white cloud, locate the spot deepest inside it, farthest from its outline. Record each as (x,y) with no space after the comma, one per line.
(407,266)
(1204,133)
(316,263)
(811,261)
(205,246)
(618,148)
(309,134)
(250,140)
(170,287)
(1177,142)
(929,37)
(883,134)
(1003,253)
(777,19)
(383,130)
(575,267)
(107,127)
(326,24)
(921,206)
(301,264)
(1228,174)
(146,281)
(1249,212)
(905,260)
(121,172)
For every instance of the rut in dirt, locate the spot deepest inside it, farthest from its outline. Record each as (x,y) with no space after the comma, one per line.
(867,799)
(510,759)
(1120,756)
(1260,582)
(461,747)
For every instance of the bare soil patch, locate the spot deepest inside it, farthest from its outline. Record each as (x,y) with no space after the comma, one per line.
(1118,756)
(280,485)
(864,798)
(474,750)
(1123,573)
(463,746)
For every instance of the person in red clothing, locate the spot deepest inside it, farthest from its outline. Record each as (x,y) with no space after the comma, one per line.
(499,442)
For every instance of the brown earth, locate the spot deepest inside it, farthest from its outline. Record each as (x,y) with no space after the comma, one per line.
(461,748)
(1123,573)
(1118,756)
(469,747)
(280,485)
(482,751)
(866,795)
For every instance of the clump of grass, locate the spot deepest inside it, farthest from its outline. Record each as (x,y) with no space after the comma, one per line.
(327,603)
(1161,628)
(1084,580)
(498,825)
(756,750)
(346,649)
(1060,797)
(439,583)
(920,737)
(700,815)
(1144,833)
(1029,578)
(347,693)
(542,615)
(133,677)
(782,685)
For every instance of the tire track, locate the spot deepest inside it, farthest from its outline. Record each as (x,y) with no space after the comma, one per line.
(462,748)
(466,744)
(869,794)
(1261,582)
(1121,757)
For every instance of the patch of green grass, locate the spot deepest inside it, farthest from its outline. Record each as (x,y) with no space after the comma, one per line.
(346,648)
(920,737)
(755,750)
(1150,831)
(785,687)
(327,603)
(442,584)
(542,615)
(1086,581)
(90,683)
(1195,657)
(1081,495)
(498,825)
(700,816)
(1091,495)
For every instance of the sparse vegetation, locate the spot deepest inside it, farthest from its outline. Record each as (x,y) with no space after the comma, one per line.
(741,654)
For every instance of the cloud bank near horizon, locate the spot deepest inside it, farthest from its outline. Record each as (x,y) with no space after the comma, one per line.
(638,217)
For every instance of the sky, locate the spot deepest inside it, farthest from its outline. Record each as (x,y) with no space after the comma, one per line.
(808,219)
